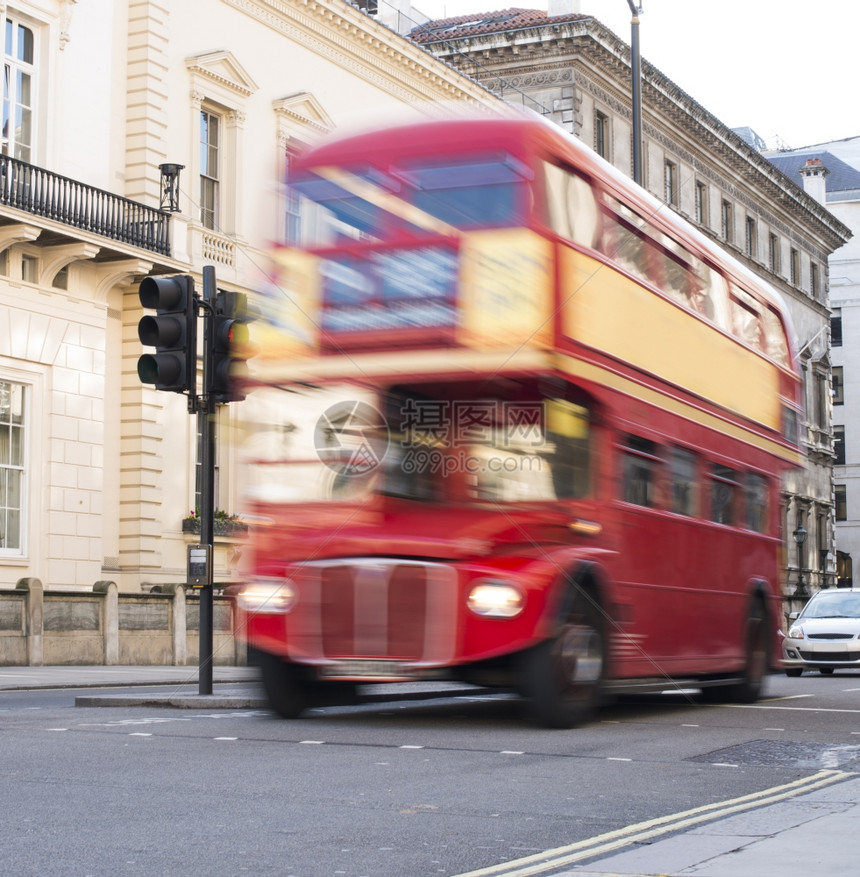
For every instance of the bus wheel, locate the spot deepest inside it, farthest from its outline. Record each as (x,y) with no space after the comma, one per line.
(564,675)
(756,666)
(285,695)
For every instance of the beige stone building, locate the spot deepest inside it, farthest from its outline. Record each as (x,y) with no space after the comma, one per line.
(570,68)
(97,471)
(106,98)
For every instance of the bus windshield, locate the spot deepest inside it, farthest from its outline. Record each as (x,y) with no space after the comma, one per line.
(463,447)
(421,197)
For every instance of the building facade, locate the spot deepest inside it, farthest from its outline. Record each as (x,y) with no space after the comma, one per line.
(573,70)
(831,174)
(150,137)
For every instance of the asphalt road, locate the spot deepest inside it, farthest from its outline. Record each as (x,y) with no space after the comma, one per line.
(442,786)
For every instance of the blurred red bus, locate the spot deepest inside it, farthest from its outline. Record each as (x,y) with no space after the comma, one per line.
(514,423)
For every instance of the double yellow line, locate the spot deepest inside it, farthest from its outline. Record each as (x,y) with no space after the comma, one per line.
(551,860)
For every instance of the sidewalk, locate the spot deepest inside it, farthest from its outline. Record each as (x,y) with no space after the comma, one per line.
(232,687)
(814,834)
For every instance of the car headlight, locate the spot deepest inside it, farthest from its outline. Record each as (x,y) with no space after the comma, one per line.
(795,632)
(496,599)
(277,597)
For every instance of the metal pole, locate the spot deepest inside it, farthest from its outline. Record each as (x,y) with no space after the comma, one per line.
(207,488)
(636,69)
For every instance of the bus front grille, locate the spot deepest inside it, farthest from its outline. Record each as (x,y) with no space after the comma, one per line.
(384,609)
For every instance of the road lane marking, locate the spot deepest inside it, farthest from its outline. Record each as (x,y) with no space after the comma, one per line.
(796,709)
(551,860)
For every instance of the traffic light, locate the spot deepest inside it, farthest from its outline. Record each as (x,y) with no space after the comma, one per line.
(172,332)
(230,340)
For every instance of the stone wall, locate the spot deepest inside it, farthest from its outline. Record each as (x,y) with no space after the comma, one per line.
(103,626)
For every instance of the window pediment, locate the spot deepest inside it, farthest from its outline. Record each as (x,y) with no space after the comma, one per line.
(223,69)
(304,111)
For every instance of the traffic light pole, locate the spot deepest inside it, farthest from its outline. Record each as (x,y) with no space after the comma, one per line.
(206,413)
(173,367)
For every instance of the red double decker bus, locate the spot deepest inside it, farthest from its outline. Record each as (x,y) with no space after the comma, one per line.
(514,423)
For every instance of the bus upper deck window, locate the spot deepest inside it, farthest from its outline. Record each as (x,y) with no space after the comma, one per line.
(481,191)
(351,202)
(571,206)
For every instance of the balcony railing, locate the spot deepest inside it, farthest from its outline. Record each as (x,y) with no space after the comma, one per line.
(43,193)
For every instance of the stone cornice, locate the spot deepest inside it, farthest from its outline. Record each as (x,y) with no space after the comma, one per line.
(350,39)
(588,44)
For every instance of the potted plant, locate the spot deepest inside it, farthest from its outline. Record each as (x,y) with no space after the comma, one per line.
(224,524)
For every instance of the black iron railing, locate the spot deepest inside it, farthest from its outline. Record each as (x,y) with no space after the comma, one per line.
(42,193)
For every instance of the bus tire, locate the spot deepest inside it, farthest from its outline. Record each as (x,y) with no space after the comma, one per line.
(564,675)
(286,696)
(756,662)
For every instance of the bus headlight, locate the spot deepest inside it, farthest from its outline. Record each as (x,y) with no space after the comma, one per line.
(276,597)
(496,599)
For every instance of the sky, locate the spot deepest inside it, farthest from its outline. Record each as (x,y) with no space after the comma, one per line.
(785,68)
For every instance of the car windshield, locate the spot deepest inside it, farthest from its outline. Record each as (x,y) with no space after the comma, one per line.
(833,605)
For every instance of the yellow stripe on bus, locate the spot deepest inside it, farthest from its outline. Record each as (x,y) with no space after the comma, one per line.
(577,368)
(612,313)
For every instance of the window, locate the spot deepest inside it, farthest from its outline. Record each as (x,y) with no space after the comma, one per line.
(29,268)
(670,179)
(813,280)
(794,267)
(601,134)
(701,203)
(724,494)
(210,168)
(837,387)
(292,212)
(12,401)
(773,253)
(821,406)
(640,464)
(841,503)
(572,207)
(839,445)
(751,239)
(836,327)
(18,91)
(726,221)
(756,503)
(682,478)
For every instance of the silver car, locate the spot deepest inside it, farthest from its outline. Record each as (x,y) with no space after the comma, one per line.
(826,634)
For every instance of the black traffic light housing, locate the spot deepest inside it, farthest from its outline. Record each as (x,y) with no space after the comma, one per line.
(172,332)
(230,346)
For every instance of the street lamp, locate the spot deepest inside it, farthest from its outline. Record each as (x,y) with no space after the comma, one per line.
(170,186)
(800,538)
(636,70)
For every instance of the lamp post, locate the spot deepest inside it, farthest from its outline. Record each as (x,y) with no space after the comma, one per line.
(800,538)
(636,70)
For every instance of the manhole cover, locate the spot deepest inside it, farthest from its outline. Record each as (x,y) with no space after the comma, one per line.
(776,752)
